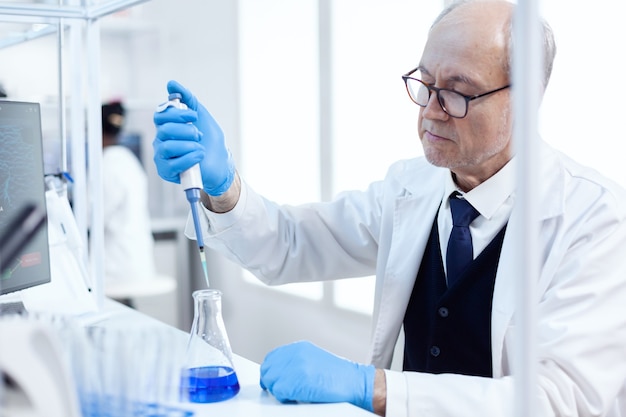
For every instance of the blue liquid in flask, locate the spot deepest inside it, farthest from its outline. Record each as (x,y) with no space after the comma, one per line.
(209,384)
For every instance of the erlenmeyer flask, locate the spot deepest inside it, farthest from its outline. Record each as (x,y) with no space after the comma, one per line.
(208,374)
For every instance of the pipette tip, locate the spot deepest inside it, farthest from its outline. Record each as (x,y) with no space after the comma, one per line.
(203,260)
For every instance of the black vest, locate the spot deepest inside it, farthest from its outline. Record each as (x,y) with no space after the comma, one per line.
(448,330)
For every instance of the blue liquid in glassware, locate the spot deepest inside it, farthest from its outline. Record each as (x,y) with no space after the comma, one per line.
(209,384)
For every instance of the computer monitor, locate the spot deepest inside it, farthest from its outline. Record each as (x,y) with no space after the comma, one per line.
(22,193)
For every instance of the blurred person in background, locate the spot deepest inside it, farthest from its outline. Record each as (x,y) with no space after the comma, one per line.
(128,240)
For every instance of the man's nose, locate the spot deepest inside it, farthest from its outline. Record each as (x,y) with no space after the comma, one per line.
(434,109)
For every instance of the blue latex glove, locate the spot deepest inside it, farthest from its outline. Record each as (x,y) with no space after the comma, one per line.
(187,137)
(304,372)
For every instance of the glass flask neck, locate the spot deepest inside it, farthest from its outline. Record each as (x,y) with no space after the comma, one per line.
(208,313)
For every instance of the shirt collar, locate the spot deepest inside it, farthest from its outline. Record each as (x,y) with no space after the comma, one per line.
(488,196)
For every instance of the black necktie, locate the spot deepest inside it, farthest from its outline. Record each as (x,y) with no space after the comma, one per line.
(460,253)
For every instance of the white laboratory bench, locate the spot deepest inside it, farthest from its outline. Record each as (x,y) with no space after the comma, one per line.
(251,401)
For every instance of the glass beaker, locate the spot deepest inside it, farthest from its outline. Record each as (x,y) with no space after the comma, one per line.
(208,374)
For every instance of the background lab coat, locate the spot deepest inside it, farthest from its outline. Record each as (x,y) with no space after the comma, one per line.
(581,290)
(128,242)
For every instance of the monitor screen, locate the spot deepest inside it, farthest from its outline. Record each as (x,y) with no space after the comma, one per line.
(22,190)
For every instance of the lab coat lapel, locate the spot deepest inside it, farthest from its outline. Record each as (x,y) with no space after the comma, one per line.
(413,216)
(550,197)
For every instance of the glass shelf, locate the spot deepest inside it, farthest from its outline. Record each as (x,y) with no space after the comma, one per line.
(93,9)
(16,33)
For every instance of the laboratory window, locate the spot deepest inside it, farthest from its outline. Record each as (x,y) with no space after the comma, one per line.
(373,123)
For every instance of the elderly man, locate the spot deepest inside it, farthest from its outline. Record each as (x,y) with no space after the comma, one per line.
(439,233)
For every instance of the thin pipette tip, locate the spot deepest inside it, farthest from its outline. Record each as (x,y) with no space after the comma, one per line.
(203,260)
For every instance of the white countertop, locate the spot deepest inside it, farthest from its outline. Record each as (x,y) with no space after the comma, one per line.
(251,401)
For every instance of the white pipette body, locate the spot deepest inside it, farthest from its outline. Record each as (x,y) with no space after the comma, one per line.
(192,178)
(191,181)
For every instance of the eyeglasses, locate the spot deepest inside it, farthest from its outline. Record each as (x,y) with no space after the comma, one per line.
(452,102)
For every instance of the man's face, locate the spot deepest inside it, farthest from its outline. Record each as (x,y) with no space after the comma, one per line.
(465,52)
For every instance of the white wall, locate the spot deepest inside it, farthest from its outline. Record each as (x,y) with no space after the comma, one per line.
(583,105)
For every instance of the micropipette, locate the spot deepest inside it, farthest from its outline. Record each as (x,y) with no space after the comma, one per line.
(191,180)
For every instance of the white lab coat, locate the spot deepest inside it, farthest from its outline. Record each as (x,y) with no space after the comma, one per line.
(581,291)
(128,242)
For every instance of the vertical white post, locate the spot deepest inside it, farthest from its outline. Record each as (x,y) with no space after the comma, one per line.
(94,152)
(77,139)
(527,64)
(62,111)
(77,124)
(327,171)
(325,98)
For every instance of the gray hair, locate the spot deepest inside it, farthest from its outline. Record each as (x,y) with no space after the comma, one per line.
(549,44)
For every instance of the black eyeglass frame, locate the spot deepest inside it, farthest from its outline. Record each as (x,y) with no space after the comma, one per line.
(406,77)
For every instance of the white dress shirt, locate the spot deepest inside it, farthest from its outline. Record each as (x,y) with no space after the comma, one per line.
(494,201)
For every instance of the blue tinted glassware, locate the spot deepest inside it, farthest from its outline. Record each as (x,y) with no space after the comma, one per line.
(208,374)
